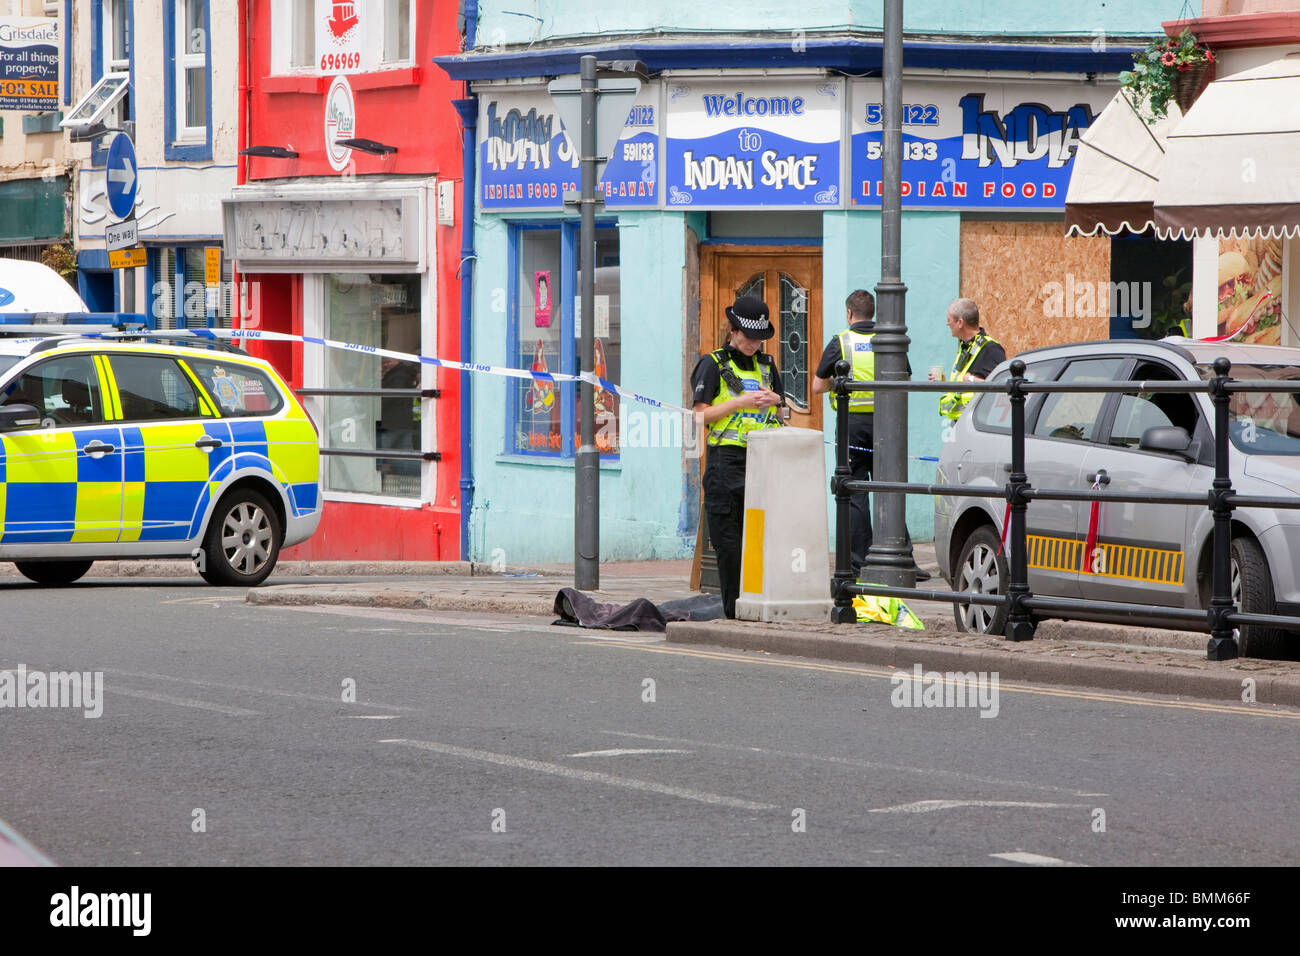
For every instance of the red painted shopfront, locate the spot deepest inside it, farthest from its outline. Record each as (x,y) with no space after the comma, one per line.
(345,225)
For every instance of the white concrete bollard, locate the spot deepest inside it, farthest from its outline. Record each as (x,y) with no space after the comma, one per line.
(785,558)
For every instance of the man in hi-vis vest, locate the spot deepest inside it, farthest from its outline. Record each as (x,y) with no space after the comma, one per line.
(737,390)
(854,345)
(978,354)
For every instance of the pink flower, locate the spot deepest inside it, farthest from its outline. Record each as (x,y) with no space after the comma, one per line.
(1168,59)
(1172,44)
(1209,56)
(1184,67)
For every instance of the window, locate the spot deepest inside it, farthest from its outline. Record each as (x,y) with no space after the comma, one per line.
(302,48)
(1263,423)
(542,416)
(152,387)
(399,28)
(1074,415)
(181,297)
(191,70)
(1139,411)
(239,390)
(381,407)
(65,391)
(992,410)
(94,107)
(117,52)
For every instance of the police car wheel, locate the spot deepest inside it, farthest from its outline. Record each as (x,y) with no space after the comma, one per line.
(1252,591)
(243,541)
(53,573)
(982,569)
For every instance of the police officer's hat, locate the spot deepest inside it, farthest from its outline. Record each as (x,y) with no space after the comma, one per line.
(748,314)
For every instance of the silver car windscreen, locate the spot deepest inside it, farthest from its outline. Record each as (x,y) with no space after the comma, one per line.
(1263,423)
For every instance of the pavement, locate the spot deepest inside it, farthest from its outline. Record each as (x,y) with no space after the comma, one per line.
(1077,654)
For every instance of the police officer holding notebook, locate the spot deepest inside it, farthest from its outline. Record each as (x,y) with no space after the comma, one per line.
(737,391)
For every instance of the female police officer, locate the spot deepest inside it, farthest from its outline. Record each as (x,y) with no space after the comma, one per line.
(736,389)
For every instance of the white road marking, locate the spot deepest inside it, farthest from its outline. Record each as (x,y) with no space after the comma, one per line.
(1033,859)
(928,806)
(183,702)
(862,764)
(587,776)
(213,599)
(627,751)
(293,695)
(370,716)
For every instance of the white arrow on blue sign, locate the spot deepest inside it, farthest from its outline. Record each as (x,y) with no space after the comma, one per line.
(122,180)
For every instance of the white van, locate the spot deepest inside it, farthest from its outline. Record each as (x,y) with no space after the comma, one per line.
(34,287)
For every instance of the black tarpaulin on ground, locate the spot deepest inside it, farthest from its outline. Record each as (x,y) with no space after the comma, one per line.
(578,610)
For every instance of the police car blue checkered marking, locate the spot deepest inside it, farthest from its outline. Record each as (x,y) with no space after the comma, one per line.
(48,510)
(107,468)
(169,508)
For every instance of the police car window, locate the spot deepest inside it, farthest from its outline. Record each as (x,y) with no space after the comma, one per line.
(152,387)
(64,390)
(1073,415)
(240,390)
(1139,411)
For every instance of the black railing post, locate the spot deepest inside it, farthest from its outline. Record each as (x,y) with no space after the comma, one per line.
(843,612)
(1020,622)
(1222,645)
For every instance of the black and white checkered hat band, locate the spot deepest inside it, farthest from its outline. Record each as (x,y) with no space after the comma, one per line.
(759,323)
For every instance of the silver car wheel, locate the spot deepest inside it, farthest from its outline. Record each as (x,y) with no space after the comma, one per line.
(980,575)
(246,538)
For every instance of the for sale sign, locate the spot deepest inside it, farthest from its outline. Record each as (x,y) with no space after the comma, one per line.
(29,63)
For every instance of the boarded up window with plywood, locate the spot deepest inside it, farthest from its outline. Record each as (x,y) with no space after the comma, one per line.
(1034,286)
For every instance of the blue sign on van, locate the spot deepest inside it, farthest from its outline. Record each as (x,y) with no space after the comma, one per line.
(5,296)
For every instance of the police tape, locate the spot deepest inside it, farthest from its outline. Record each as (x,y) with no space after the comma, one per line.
(529,374)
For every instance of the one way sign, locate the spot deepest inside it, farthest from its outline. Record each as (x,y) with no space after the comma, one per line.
(122,179)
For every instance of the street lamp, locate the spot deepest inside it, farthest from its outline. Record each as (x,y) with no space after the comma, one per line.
(596,103)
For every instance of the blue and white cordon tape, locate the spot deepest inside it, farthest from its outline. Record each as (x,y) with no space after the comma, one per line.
(590,377)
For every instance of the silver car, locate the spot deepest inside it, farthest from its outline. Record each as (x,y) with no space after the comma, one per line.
(1146,554)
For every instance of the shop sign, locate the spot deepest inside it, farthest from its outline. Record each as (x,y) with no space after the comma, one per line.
(174,202)
(340,38)
(975,145)
(340,122)
(29,63)
(317,233)
(754,142)
(527,162)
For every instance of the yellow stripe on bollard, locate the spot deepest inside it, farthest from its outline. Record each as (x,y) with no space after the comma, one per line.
(751,568)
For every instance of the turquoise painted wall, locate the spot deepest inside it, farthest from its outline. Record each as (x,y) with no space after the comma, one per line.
(521,22)
(931,267)
(525,507)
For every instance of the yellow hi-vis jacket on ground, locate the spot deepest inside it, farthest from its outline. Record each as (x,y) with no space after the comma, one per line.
(886,610)
(952,404)
(857,349)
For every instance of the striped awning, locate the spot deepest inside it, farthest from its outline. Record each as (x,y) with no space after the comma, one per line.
(1116,170)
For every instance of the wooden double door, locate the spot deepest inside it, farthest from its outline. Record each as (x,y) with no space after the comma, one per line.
(789,280)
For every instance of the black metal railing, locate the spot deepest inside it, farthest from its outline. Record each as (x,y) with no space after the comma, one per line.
(1024,609)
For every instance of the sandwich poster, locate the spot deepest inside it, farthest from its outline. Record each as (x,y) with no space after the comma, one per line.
(1250,290)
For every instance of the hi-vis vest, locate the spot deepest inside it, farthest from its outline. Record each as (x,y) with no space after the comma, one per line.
(952,404)
(857,349)
(886,610)
(735,429)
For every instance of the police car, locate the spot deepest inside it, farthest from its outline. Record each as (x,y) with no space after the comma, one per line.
(138,447)
(1148,554)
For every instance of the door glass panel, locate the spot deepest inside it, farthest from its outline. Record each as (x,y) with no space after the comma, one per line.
(754,286)
(64,391)
(1074,416)
(793,358)
(153,388)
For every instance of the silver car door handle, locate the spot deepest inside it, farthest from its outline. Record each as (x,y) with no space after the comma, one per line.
(207,443)
(97,448)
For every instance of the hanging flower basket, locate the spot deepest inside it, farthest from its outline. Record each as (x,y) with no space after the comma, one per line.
(1189,83)
(1168,70)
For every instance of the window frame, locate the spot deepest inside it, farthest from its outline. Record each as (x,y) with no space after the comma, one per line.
(103,64)
(409,58)
(92,384)
(569,229)
(200,397)
(181,142)
(1105,411)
